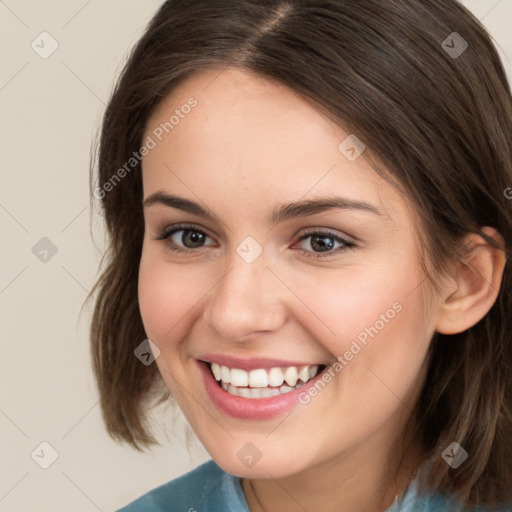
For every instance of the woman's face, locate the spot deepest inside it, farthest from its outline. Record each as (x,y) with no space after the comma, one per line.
(265,277)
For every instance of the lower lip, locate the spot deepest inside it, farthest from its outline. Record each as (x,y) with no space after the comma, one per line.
(251,408)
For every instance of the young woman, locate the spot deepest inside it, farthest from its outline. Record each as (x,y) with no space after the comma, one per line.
(309,214)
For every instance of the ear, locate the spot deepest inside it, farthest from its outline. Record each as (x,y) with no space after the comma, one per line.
(477,280)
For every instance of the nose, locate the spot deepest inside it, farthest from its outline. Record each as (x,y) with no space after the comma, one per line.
(246,301)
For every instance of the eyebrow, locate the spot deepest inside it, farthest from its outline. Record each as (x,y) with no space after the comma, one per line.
(279,214)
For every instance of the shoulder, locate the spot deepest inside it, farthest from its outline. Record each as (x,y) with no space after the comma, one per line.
(416,501)
(207,487)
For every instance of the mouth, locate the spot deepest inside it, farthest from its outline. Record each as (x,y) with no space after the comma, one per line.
(257,388)
(263,382)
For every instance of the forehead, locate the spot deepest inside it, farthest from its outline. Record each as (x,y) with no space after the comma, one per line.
(253,137)
(247,115)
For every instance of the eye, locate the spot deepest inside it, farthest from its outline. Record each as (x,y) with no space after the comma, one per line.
(183,238)
(323,243)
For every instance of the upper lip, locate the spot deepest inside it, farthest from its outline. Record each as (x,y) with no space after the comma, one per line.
(252,363)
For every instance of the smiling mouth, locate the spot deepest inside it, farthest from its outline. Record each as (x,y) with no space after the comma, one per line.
(263,383)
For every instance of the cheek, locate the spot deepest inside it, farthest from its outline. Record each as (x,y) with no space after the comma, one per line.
(379,308)
(165,296)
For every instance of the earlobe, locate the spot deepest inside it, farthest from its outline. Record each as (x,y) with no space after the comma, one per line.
(478,279)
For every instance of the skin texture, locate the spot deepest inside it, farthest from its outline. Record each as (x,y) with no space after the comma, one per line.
(247,147)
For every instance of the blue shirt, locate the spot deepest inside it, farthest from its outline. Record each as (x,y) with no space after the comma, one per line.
(208,488)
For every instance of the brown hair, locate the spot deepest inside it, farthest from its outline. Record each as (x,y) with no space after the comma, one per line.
(439,125)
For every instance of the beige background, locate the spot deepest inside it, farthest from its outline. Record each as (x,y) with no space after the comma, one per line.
(49,113)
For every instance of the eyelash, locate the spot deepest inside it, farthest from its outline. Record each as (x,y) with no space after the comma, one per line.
(166,234)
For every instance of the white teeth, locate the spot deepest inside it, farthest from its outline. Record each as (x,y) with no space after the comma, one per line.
(216,371)
(258,378)
(260,393)
(291,375)
(244,392)
(261,383)
(238,377)
(232,390)
(275,377)
(303,374)
(313,370)
(257,392)
(226,374)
